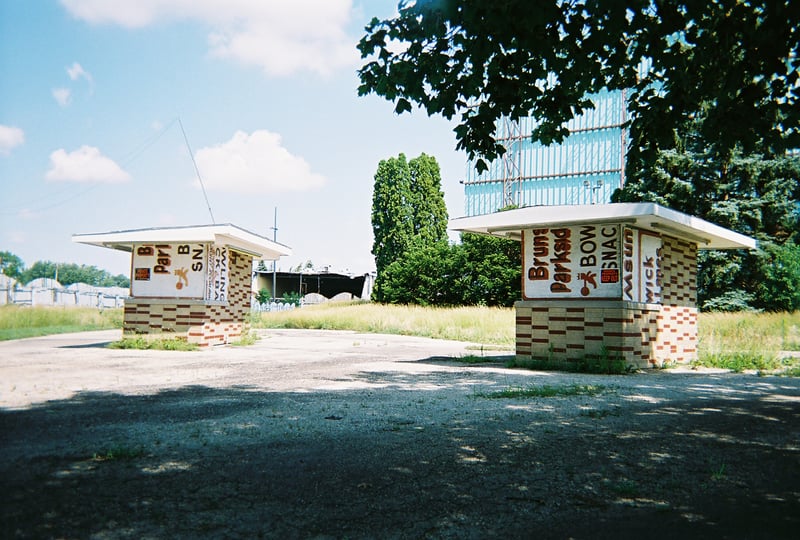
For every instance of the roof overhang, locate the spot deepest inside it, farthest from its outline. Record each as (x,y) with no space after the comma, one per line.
(649,216)
(228,235)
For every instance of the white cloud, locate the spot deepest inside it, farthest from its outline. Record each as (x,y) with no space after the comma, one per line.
(278,36)
(85,164)
(256,163)
(76,71)
(10,137)
(62,95)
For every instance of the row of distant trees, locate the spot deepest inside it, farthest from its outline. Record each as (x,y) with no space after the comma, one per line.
(65,273)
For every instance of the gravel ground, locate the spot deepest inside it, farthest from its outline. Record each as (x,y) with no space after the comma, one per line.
(312,434)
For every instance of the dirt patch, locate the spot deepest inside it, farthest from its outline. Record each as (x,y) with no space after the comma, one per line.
(343,435)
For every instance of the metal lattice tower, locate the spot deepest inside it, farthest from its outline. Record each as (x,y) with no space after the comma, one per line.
(585,168)
(512,175)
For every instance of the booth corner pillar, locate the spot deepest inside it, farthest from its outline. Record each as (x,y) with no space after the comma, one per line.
(606,282)
(193,283)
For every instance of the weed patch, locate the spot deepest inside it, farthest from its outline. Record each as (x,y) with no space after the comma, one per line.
(119,453)
(599,365)
(790,372)
(625,488)
(251,338)
(718,472)
(739,361)
(489,347)
(476,359)
(761,336)
(545,391)
(160,344)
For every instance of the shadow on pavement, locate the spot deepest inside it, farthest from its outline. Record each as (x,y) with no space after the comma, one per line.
(422,460)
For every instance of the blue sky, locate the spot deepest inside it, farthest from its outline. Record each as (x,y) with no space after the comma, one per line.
(90,96)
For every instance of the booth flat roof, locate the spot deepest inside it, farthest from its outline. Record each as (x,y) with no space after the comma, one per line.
(227,234)
(510,223)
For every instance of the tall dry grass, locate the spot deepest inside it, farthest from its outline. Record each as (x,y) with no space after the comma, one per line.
(735,341)
(747,340)
(731,340)
(25,321)
(491,326)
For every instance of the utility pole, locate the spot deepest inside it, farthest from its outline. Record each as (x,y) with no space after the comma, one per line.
(274,239)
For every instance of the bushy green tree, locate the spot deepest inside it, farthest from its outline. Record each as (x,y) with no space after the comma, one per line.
(766,279)
(426,274)
(263,296)
(11,265)
(780,289)
(480,271)
(494,268)
(407,206)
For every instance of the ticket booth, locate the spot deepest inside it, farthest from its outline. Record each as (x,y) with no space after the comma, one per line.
(615,280)
(192,282)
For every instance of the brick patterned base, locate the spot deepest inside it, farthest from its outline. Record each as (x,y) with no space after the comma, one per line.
(200,322)
(644,335)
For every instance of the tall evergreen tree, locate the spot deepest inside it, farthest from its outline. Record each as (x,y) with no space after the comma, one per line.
(392,225)
(407,203)
(427,200)
(754,194)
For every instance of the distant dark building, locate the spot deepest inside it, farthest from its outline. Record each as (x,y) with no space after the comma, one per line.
(327,284)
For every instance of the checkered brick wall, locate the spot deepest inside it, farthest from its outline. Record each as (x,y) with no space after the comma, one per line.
(643,334)
(677,336)
(200,322)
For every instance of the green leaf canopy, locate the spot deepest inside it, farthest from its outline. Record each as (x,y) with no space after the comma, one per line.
(734,62)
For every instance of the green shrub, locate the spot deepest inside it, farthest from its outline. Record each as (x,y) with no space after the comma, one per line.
(151,343)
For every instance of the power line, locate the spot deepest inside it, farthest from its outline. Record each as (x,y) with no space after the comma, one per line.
(134,154)
(191,154)
(39,203)
(65,197)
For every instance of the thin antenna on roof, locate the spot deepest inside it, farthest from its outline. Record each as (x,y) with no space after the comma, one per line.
(196,170)
(274,239)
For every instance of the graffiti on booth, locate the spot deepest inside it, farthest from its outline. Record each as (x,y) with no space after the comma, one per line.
(185,270)
(641,266)
(169,270)
(217,284)
(603,261)
(572,262)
